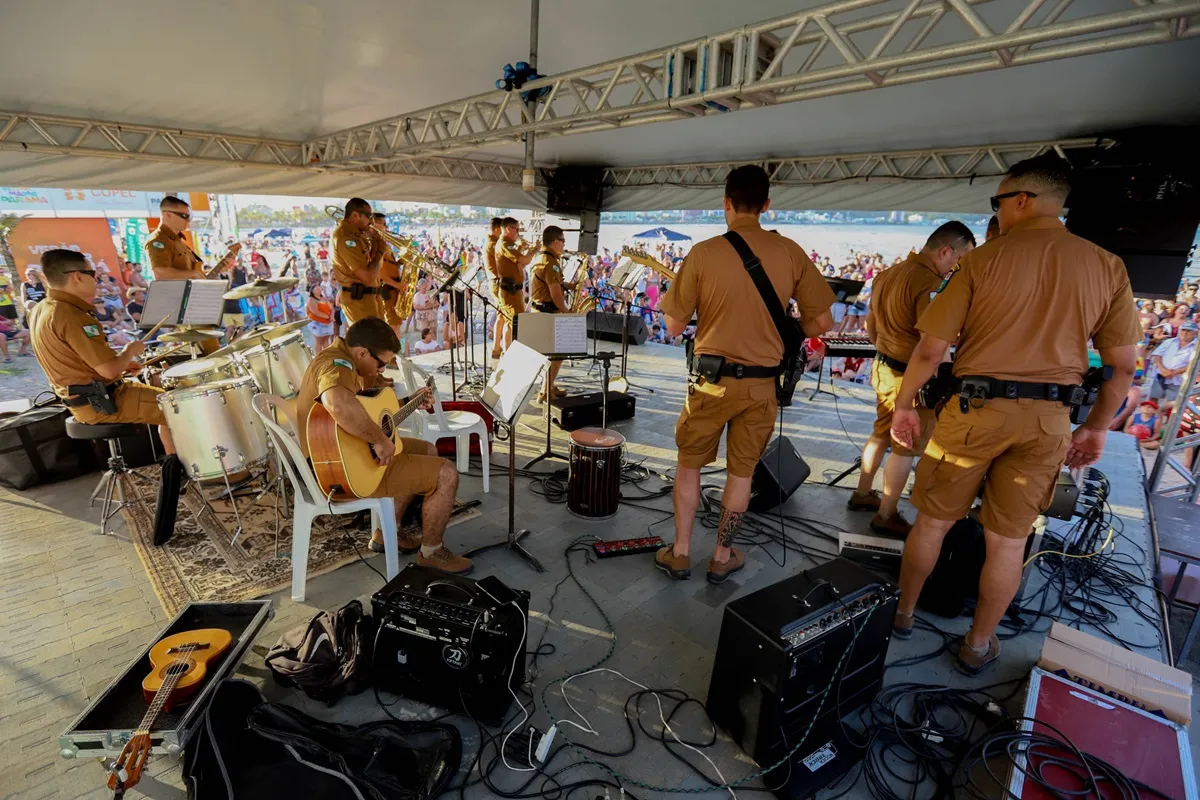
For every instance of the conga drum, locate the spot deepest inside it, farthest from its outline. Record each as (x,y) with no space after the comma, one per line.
(594,476)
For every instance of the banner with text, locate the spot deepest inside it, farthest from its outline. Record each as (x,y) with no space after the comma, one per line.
(34,236)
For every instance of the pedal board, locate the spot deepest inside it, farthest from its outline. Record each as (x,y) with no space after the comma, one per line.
(628,547)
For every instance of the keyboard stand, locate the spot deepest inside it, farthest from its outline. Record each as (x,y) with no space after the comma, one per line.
(820,373)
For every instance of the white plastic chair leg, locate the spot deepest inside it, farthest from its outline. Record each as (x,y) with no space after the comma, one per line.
(485,457)
(302,521)
(391,548)
(462,452)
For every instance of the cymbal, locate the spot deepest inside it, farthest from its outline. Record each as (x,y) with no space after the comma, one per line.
(191,335)
(260,288)
(283,329)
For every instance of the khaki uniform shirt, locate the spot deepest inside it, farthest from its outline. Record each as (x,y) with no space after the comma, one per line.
(505,254)
(1024,306)
(490,255)
(353,250)
(333,366)
(898,296)
(168,250)
(732,320)
(547,270)
(68,340)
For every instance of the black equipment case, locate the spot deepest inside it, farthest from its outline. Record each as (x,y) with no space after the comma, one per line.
(35,448)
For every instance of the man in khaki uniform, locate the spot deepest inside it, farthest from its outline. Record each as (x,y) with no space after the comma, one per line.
(333,378)
(489,254)
(546,292)
(389,278)
(357,255)
(733,322)
(1022,308)
(898,296)
(171,258)
(69,343)
(511,259)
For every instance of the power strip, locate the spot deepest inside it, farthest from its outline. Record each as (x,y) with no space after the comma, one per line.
(530,742)
(628,547)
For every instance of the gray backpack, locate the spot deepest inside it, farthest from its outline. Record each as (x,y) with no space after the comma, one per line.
(328,657)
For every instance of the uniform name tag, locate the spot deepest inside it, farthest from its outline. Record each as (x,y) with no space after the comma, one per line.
(91,330)
(351,243)
(158,245)
(341,362)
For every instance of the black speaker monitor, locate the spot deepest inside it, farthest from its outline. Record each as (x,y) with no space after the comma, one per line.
(607,326)
(777,476)
(575,188)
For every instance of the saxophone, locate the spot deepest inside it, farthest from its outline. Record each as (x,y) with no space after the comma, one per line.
(581,303)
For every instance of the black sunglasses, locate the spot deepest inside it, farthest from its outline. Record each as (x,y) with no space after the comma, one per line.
(90,272)
(179,214)
(997,198)
(379,362)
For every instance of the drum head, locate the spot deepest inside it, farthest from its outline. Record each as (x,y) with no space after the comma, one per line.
(284,341)
(597,437)
(191,368)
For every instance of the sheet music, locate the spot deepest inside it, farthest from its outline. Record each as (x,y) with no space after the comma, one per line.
(163,299)
(512,381)
(571,268)
(205,303)
(570,333)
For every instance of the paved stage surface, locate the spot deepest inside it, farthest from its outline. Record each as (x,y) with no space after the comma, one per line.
(78,607)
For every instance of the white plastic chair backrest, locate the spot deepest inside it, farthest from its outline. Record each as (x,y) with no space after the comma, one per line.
(288,446)
(414,376)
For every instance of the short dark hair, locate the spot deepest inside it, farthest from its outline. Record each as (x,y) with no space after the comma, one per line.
(1047,174)
(504,223)
(748,188)
(379,215)
(171,200)
(357,204)
(494,223)
(550,234)
(951,234)
(59,262)
(993,226)
(373,334)
(425,331)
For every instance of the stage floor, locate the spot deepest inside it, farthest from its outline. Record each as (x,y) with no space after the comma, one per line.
(79,606)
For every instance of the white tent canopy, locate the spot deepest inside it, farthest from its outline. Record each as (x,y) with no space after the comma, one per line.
(294,70)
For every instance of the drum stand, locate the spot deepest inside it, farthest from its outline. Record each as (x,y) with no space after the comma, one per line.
(512,542)
(549,451)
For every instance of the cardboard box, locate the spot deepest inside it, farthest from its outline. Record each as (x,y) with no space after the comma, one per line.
(1108,668)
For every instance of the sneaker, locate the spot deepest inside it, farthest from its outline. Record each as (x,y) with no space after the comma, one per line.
(891,526)
(406,544)
(446,561)
(678,567)
(864,502)
(902,625)
(971,662)
(719,573)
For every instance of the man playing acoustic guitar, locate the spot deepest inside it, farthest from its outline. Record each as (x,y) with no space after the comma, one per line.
(333,378)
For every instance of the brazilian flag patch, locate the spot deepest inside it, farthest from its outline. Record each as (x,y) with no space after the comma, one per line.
(341,362)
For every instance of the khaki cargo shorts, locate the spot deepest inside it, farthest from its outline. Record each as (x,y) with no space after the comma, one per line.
(136,403)
(512,302)
(414,471)
(887,387)
(1018,446)
(748,410)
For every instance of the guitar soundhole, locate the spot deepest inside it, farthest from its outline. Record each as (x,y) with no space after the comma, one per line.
(177,668)
(388,426)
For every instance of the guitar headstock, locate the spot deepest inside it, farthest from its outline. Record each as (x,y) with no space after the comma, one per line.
(127,770)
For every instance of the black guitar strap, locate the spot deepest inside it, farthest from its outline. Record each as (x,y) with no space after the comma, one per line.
(787,333)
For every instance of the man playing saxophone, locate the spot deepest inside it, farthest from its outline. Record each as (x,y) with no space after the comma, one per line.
(357,255)
(546,292)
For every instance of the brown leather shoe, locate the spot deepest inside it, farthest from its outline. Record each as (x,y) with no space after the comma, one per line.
(972,663)
(891,526)
(406,544)
(902,625)
(678,567)
(864,502)
(446,561)
(719,573)
(496,353)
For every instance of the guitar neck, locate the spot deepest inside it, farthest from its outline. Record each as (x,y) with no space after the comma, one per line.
(163,693)
(412,405)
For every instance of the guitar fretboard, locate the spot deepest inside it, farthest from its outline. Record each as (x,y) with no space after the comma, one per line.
(164,692)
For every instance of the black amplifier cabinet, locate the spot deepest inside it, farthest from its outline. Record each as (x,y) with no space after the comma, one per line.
(585,411)
(450,641)
(779,649)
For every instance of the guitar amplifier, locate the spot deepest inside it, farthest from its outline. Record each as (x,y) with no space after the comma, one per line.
(450,641)
(585,410)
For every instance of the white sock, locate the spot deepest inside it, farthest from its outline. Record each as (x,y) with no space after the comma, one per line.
(428,552)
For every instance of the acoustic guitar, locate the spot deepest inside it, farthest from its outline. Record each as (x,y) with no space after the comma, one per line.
(345,465)
(179,665)
(646,260)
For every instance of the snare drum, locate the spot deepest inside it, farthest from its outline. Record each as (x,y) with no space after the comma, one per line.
(200,371)
(278,365)
(216,432)
(594,482)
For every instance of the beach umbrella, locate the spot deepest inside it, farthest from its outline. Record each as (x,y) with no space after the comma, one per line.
(278,233)
(666,234)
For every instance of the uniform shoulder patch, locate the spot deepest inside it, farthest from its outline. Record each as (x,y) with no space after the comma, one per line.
(946,281)
(341,362)
(158,245)
(556,267)
(351,243)
(91,330)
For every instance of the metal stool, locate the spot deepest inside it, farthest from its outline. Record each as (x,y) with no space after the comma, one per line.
(116,473)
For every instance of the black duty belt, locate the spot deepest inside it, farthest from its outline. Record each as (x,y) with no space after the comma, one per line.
(894,363)
(546,308)
(354,288)
(732,370)
(997,389)
(509,285)
(82,399)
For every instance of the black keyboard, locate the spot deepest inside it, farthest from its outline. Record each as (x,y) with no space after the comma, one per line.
(849,347)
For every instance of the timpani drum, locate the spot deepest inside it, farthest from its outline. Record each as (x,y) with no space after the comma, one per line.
(594,478)
(278,365)
(217,434)
(200,371)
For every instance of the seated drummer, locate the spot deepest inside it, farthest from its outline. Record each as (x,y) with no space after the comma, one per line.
(333,378)
(83,370)
(546,291)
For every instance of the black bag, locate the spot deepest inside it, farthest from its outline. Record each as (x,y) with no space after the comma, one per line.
(35,448)
(955,578)
(328,657)
(788,328)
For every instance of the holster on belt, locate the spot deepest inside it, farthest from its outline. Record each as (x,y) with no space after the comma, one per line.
(359,290)
(509,285)
(94,394)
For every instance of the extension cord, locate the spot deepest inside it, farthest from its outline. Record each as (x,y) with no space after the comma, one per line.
(530,741)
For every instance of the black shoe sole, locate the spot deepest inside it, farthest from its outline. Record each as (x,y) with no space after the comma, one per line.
(902,633)
(719,578)
(862,507)
(677,574)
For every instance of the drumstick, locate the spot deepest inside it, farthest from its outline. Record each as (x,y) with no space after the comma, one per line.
(164,354)
(152,331)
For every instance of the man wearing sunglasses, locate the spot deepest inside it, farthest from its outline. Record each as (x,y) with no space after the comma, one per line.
(357,258)
(1023,308)
(171,258)
(546,292)
(333,378)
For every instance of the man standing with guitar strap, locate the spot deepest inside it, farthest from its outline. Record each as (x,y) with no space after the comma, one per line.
(333,379)
(734,370)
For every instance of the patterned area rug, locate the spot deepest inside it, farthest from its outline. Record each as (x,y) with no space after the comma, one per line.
(201,562)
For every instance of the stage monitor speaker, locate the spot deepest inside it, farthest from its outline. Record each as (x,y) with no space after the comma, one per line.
(607,326)
(575,188)
(777,476)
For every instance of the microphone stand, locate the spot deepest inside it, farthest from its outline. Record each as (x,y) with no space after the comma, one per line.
(629,305)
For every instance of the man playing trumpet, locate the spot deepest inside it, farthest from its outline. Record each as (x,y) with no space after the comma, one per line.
(357,255)
(512,256)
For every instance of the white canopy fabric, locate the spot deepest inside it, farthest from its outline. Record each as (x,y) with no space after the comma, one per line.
(292,69)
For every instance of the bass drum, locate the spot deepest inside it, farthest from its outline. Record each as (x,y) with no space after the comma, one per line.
(217,434)
(277,366)
(200,371)
(594,480)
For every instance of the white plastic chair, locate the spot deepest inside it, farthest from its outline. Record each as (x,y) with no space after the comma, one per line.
(461,425)
(310,501)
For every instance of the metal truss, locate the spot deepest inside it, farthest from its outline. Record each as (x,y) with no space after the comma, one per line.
(71,136)
(829,50)
(946,163)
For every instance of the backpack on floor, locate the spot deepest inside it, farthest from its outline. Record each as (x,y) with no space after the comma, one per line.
(328,657)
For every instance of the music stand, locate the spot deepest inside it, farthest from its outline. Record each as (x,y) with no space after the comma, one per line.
(506,395)
(625,277)
(557,337)
(190,302)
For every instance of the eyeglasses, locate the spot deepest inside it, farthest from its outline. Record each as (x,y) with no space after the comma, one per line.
(379,362)
(997,198)
(179,214)
(90,272)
